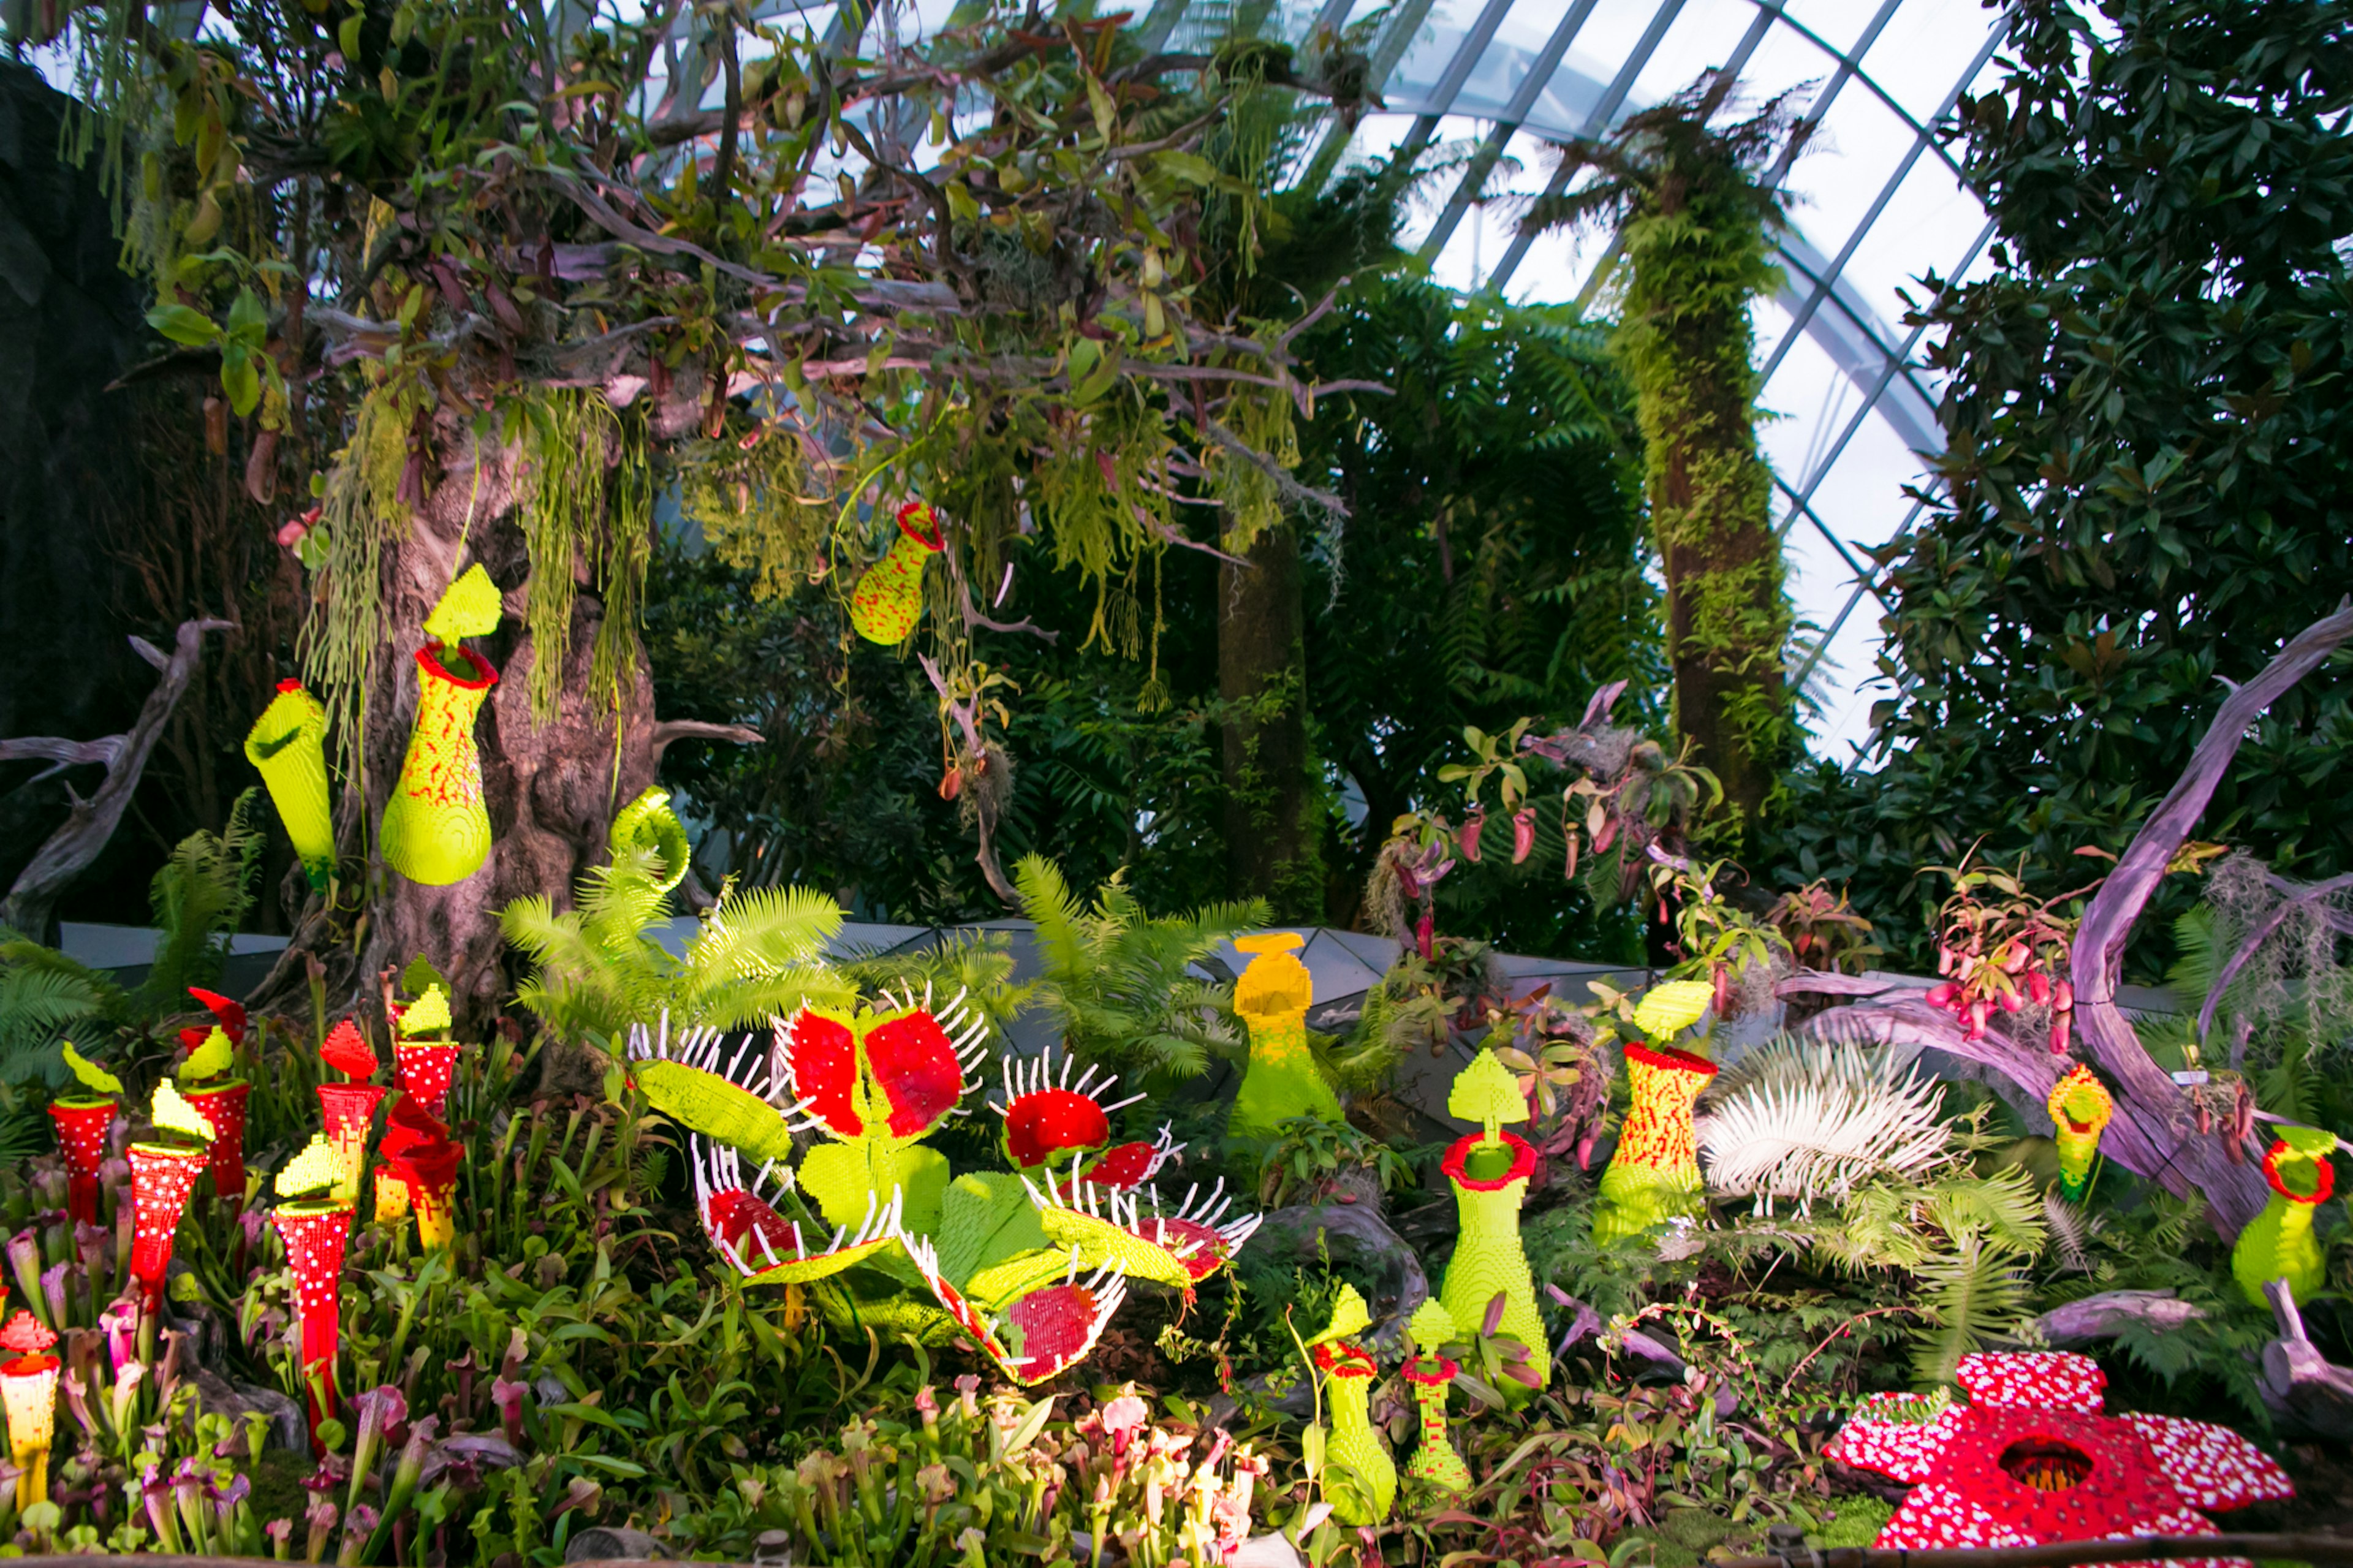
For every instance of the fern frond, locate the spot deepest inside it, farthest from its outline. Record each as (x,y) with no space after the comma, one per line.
(1974,1293)
(1803,1122)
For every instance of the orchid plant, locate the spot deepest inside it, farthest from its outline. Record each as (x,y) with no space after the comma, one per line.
(1028,1263)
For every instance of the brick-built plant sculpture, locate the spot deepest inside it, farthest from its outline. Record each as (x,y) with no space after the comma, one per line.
(2080,1107)
(1432,1372)
(1654,1176)
(287,746)
(347,1106)
(435,829)
(1028,1263)
(28,1391)
(1282,1079)
(888,600)
(2031,1460)
(315,1223)
(164,1172)
(83,1122)
(218,1098)
(1345,1372)
(2279,1244)
(1490,1170)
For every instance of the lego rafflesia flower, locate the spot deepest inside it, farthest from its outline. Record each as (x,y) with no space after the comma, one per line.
(434,829)
(2031,1460)
(164,1172)
(1029,1274)
(28,1390)
(1489,1170)
(1345,1372)
(1281,1080)
(2080,1107)
(286,747)
(888,600)
(83,1122)
(316,1226)
(1654,1176)
(2278,1243)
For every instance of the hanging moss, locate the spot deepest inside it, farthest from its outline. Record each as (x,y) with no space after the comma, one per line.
(360,513)
(586,510)
(761,511)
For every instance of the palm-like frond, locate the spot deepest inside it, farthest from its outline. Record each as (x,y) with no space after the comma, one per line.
(1119,981)
(1801,1121)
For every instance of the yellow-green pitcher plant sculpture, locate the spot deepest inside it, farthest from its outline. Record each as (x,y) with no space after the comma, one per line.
(434,829)
(287,746)
(1490,1170)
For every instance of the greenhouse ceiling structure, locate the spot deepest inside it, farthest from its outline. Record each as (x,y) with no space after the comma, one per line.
(1483,90)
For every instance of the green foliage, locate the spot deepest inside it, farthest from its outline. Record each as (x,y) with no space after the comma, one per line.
(199,897)
(1491,567)
(597,968)
(2144,489)
(1312,1158)
(1116,978)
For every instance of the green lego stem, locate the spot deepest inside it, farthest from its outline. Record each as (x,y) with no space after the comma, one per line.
(1488,1259)
(1283,1081)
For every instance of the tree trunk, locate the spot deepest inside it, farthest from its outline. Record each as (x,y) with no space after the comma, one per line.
(1272,847)
(550,791)
(2154,1132)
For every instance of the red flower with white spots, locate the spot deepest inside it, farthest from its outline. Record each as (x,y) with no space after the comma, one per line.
(2032,1460)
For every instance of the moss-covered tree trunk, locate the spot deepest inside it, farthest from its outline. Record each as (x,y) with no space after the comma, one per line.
(1696,204)
(551,782)
(1273,845)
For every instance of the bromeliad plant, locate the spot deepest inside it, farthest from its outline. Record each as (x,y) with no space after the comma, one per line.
(1030,1263)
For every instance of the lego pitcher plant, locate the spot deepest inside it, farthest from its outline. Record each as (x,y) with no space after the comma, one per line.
(2080,1108)
(888,600)
(1654,1176)
(1490,1170)
(220,1098)
(1283,1081)
(2278,1243)
(1358,1473)
(435,829)
(164,1172)
(316,1226)
(83,1122)
(287,748)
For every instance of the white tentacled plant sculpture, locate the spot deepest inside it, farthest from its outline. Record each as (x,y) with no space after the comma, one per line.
(1028,1263)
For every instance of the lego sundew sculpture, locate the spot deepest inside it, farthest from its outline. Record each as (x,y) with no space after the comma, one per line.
(2278,1244)
(2031,1460)
(1490,1170)
(1654,1176)
(1028,1263)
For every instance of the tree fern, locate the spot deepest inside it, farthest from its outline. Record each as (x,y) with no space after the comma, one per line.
(596,968)
(199,897)
(1118,981)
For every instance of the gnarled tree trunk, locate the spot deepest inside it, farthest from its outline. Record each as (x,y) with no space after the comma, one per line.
(2154,1132)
